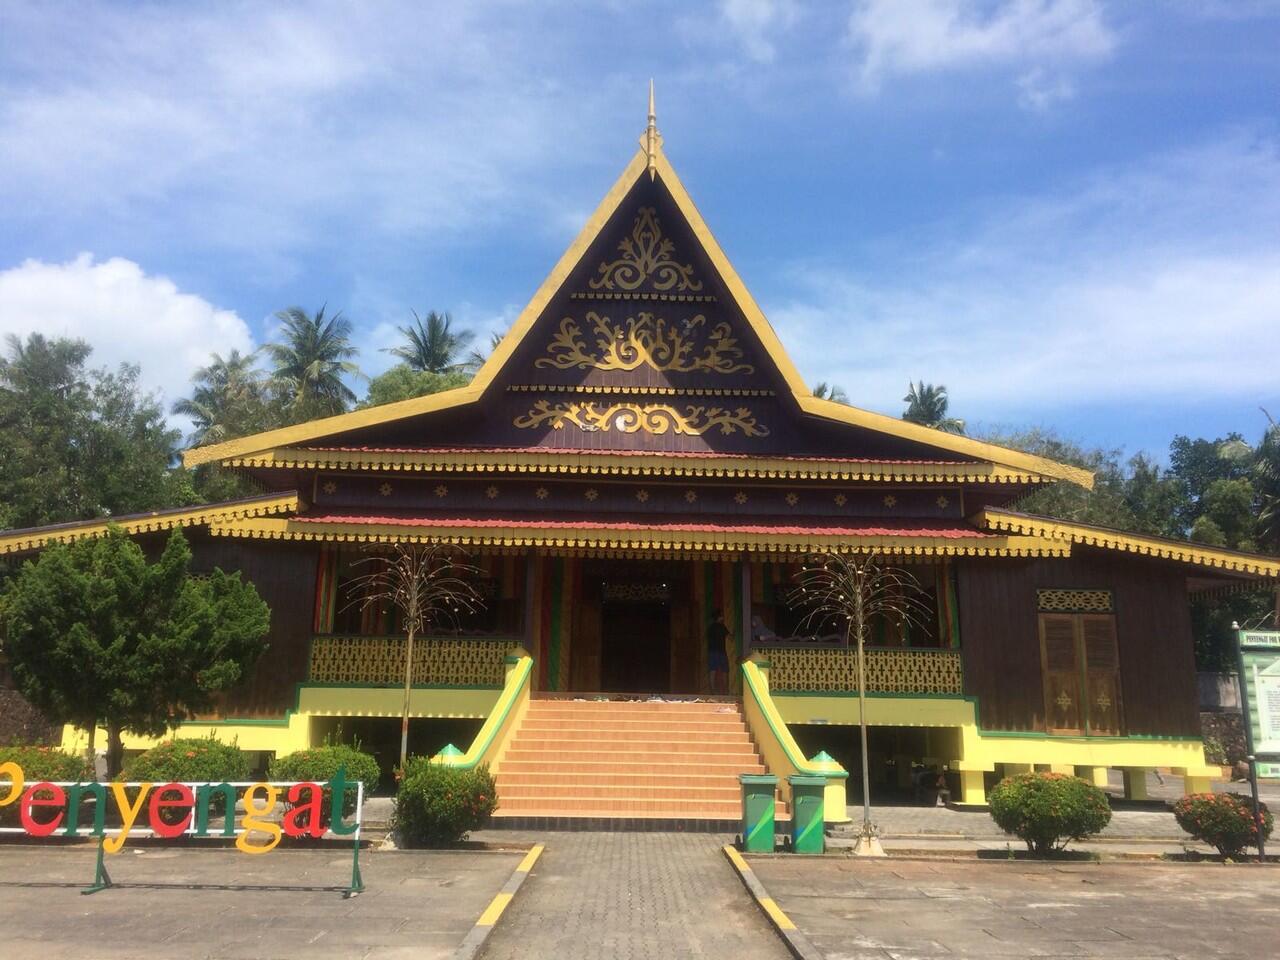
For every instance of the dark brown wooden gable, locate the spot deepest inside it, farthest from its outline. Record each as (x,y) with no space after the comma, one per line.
(643,348)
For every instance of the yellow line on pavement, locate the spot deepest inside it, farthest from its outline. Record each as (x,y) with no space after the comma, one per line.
(736,858)
(494,910)
(530,859)
(776,914)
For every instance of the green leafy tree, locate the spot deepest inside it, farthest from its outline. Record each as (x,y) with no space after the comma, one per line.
(402,382)
(928,405)
(312,363)
(228,399)
(79,444)
(829,391)
(97,635)
(432,344)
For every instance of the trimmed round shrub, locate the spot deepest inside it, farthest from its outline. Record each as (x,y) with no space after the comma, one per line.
(320,764)
(1222,820)
(438,805)
(1047,810)
(41,763)
(190,760)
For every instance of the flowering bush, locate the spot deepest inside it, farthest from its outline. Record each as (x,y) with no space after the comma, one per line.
(321,763)
(438,805)
(40,763)
(1047,810)
(191,760)
(1222,820)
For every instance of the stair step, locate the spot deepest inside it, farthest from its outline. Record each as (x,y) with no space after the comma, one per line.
(653,778)
(622,725)
(554,754)
(621,707)
(652,743)
(595,767)
(624,791)
(596,805)
(673,734)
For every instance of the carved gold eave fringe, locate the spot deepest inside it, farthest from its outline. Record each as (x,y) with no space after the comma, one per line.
(24,540)
(1131,542)
(656,465)
(639,541)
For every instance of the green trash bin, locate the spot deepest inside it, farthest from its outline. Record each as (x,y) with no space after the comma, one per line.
(808,801)
(757,811)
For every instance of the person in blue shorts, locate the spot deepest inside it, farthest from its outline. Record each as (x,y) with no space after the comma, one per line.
(717,658)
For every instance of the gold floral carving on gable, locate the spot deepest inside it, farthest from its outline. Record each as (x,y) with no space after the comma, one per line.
(643,340)
(652,418)
(646,255)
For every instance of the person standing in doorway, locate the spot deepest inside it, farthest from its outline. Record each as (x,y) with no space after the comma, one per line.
(717,657)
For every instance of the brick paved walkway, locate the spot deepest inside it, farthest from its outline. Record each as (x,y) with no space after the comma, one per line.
(633,895)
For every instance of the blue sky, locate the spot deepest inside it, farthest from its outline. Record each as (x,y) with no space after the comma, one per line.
(1068,211)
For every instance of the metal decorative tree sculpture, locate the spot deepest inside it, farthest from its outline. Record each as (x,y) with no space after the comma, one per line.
(427,583)
(848,592)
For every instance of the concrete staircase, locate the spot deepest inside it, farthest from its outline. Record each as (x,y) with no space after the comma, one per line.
(653,760)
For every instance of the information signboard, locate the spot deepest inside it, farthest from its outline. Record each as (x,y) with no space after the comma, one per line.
(1260,683)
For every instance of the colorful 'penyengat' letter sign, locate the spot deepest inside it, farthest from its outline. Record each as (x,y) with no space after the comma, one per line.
(172,809)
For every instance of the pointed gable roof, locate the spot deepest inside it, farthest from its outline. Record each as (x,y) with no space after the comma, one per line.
(648,163)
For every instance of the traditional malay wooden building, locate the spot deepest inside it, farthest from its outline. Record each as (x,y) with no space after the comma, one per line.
(638,452)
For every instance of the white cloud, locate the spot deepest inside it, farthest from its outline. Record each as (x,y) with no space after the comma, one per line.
(1159,282)
(1037,37)
(756,23)
(126,315)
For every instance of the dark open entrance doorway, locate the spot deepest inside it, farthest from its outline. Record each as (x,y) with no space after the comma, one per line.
(635,627)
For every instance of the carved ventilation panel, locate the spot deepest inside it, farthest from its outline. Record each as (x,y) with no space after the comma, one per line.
(1074,601)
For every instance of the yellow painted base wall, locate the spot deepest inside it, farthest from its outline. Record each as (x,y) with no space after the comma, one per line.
(977,752)
(297,732)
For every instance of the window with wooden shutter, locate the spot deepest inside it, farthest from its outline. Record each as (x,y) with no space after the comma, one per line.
(1102,673)
(1081,669)
(1060,660)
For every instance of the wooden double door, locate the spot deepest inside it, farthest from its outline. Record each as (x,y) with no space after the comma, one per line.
(639,631)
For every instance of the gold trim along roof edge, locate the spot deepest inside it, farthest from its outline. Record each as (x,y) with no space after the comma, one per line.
(21,541)
(595,463)
(808,403)
(641,541)
(1086,535)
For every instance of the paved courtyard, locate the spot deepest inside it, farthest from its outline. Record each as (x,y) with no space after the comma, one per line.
(912,910)
(633,896)
(210,904)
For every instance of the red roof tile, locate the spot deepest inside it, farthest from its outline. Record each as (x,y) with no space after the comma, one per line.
(833,528)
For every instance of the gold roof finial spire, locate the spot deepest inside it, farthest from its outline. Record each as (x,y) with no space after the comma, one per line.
(651,140)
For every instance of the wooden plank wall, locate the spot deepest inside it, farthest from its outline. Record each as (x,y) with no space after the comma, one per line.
(1000,639)
(285,576)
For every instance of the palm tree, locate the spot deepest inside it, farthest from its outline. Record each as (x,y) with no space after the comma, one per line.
(312,361)
(476,358)
(927,406)
(829,391)
(1263,463)
(431,344)
(227,399)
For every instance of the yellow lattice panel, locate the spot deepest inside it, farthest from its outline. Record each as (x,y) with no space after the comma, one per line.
(888,671)
(380,660)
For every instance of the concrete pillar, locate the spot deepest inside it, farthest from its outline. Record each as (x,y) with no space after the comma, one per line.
(1135,783)
(1095,775)
(1197,785)
(973,789)
(1013,769)
(1063,768)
